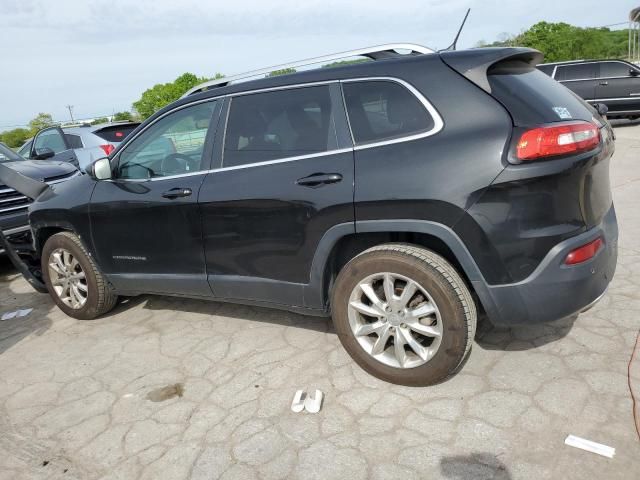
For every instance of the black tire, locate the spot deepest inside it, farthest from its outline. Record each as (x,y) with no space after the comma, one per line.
(445,286)
(99,299)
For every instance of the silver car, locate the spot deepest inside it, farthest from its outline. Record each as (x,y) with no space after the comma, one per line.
(77,145)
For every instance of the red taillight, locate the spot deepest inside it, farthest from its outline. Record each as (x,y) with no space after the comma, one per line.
(108,148)
(584,253)
(553,140)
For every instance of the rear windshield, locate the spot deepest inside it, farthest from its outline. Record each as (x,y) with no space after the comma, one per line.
(532,97)
(116,133)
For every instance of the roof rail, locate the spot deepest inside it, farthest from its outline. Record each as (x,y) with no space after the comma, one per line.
(375,53)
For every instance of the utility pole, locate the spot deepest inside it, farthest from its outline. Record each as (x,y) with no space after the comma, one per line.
(70,108)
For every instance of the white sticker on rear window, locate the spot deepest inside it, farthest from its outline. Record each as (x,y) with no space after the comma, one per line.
(562,112)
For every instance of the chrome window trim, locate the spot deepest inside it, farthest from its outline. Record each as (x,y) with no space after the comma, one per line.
(438,123)
(616,99)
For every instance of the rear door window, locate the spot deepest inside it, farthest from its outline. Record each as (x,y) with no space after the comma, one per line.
(279,124)
(583,71)
(74,141)
(382,110)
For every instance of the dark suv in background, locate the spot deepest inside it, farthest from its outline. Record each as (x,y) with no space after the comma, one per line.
(399,195)
(13,205)
(614,83)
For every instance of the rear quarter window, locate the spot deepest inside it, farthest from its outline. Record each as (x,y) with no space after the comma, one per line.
(533,98)
(382,110)
(74,141)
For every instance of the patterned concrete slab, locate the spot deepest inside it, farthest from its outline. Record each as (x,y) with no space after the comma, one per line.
(172,388)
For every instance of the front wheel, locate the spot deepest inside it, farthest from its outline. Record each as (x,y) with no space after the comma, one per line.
(73,280)
(404,314)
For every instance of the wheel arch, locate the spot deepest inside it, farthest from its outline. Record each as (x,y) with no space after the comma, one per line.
(340,244)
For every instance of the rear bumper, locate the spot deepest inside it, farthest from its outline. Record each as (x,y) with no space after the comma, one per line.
(554,290)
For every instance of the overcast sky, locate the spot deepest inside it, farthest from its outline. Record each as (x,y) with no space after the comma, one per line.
(100,55)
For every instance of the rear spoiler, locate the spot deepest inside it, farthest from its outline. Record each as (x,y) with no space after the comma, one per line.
(29,188)
(475,63)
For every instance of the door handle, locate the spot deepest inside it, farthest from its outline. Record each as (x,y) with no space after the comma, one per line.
(177,193)
(605,83)
(319,179)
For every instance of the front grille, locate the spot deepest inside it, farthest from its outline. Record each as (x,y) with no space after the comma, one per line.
(12,201)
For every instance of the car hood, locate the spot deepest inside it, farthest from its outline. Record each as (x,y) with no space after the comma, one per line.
(28,176)
(41,169)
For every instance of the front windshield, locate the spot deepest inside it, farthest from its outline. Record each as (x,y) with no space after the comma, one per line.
(8,155)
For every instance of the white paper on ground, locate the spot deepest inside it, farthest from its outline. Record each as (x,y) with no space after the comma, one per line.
(590,446)
(16,314)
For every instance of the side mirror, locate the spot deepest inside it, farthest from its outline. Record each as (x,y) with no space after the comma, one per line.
(633,72)
(100,169)
(601,108)
(43,153)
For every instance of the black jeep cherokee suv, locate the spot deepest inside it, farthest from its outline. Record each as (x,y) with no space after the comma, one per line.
(400,195)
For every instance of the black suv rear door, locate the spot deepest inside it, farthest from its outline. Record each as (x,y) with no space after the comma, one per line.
(579,77)
(617,87)
(284,179)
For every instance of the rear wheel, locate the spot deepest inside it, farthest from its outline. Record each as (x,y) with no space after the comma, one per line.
(404,314)
(73,280)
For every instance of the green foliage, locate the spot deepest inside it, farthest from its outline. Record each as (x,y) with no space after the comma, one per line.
(99,120)
(122,116)
(15,138)
(42,120)
(283,71)
(344,63)
(561,41)
(163,94)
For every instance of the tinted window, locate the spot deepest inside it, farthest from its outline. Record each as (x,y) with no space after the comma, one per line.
(172,146)
(576,72)
(50,139)
(74,141)
(533,98)
(614,69)
(547,69)
(116,133)
(383,110)
(279,124)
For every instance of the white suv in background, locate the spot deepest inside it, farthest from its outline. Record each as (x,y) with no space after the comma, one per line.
(78,145)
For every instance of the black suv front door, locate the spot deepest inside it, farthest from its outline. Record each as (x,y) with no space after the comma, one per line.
(285,180)
(145,222)
(618,87)
(579,77)
(52,144)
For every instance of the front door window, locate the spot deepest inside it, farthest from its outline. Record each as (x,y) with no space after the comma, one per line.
(174,145)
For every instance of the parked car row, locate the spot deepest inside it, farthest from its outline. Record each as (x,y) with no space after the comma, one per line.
(77,145)
(400,196)
(614,83)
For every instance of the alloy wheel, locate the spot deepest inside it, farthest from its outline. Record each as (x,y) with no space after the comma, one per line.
(395,320)
(68,278)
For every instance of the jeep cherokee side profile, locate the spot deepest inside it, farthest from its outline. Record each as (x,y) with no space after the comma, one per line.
(401,196)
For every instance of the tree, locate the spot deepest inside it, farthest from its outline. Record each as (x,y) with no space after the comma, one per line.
(163,94)
(122,116)
(99,120)
(16,137)
(42,120)
(283,71)
(561,41)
